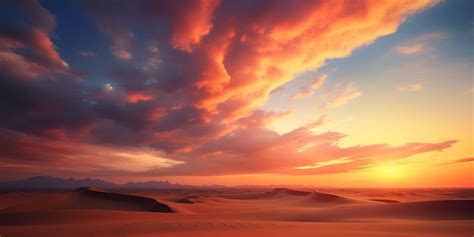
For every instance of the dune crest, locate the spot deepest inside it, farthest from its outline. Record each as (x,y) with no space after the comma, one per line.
(324,199)
(89,198)
(283,193)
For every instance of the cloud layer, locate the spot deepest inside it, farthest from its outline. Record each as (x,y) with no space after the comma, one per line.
(186,87)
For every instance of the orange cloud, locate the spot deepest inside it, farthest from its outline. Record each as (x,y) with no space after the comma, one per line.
(237,55)
(279,45)
(192,22)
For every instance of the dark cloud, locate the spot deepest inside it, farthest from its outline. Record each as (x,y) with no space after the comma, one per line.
(30,12)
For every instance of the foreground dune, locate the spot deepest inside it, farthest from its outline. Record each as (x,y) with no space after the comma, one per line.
(280,212)
(86,198)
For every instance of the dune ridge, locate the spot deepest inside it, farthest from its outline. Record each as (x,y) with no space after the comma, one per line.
(89,198)
(325,199)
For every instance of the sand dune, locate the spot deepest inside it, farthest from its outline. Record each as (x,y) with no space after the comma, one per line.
(319,199)
(86,198)
(287,192)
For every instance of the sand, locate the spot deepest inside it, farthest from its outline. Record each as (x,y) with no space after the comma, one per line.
(279,212)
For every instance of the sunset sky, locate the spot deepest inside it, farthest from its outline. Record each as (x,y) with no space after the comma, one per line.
(325,93)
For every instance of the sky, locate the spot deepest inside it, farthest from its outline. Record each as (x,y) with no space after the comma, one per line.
(324,93)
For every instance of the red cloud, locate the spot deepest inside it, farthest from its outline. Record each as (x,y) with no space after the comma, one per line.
(42,60)
(190,21)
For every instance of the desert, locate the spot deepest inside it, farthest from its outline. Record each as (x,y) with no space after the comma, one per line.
(237,212)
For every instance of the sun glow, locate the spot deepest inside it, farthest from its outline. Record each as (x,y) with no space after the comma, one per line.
(389,171)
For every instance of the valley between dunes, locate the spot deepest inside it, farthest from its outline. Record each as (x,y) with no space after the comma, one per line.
(238,212)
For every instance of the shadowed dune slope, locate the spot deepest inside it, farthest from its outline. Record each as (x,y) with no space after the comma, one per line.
(184,200)
(87,198)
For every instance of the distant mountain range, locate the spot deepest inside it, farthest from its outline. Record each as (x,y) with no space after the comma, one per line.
(54,183)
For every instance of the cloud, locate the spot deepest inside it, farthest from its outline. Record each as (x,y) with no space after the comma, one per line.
(38,154)
(33,14)
(41,94)
(135,97)
(258,150)
(340,94)
(419,44)
(26,49)
(187,88)
(121,53)
(246,149)
(461,161)
(28,53)
(411,49)
(414,87)
(311,87)
(222,53)
(261,118)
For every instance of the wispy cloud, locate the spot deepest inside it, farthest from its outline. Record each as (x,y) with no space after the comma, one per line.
(411,49)
(461,161)
(419,44)
(340,94)
(311,87)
